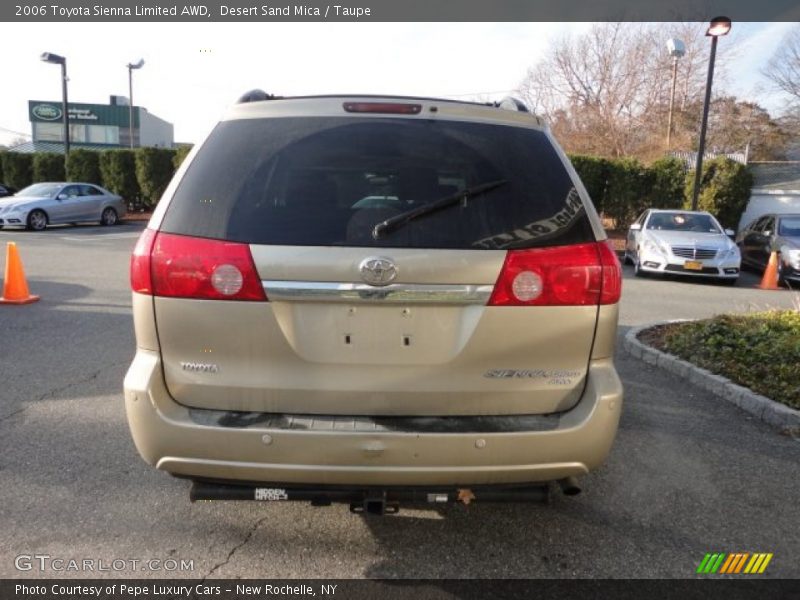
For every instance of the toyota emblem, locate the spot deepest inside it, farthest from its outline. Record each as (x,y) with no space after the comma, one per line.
(378,270)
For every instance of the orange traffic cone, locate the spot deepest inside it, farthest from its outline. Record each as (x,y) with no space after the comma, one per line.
(770,279)
(15,288)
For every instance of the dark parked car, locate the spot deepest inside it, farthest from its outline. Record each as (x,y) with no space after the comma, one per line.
(768,233)
(6,190)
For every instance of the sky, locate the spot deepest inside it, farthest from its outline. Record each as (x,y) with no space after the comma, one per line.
(194,71)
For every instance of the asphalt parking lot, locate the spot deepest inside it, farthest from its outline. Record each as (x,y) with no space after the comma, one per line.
(689,474)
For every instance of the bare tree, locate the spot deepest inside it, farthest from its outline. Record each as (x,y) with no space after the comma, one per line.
(607,91)
(783,68)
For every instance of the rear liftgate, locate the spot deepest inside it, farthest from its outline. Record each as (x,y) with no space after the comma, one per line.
(380,501)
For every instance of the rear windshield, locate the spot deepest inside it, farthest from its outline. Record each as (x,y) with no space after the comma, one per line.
(329,181)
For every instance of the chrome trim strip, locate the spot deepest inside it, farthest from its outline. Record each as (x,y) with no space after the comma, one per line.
(396,293)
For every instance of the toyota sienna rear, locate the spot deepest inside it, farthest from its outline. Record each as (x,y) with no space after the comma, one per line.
(373,299)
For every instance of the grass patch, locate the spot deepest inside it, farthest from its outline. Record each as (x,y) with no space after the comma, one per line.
(760,351)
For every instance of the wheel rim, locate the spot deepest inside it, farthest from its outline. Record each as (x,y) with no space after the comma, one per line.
(38,220)
(109,217)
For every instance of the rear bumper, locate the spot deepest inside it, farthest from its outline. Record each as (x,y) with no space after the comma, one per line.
(169,437)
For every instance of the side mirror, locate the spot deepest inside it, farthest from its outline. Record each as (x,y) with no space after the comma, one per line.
(636,227)
(61,196)
(766,233)
(730,233)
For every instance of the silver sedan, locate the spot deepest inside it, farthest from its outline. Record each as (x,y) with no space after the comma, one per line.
(42,204)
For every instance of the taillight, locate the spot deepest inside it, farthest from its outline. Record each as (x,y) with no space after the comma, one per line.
(611,290)
(140,263)
(580,275)
(398,108)
(185,267)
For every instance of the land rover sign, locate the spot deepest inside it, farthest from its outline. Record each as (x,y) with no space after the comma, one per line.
(46,112)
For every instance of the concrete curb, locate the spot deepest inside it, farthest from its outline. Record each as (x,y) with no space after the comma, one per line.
(771,412)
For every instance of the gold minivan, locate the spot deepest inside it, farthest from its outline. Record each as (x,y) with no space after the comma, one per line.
(372,300)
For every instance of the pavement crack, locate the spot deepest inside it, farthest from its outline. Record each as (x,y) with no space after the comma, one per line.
(55,391)
(236,548)
(52,393)
(11,414)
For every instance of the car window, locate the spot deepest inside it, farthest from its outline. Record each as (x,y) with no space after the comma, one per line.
(324,181)
(90,190)
(677,221)
(72,191)
(789,226)
(760,224)
(40,189)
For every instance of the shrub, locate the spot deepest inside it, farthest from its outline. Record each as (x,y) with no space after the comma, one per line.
(724,190)
(118,170)
(668,181)
(593,172)
(629,188)
(153,171)
(759,350)
(83,165)
(48,166)
(2,178)
(17,169)
(180,155)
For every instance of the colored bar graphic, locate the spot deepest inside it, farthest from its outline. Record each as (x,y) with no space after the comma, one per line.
(757,558)
(718,563)
(732,564)
(727,564)
(740,564)
(703,563)
(765,563)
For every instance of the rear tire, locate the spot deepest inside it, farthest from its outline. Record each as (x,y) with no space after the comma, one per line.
(109,217)
(37,220)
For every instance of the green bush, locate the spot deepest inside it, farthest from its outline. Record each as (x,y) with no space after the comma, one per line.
(724,190)
(118,170)
(84,166)
(629,187)
(154,170)
(668,182)
(760,351)
(2,179)
(180,155)
(48,166)
(593,172)
(17,169)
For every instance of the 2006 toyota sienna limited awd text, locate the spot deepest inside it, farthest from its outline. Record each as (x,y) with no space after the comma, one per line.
(371,300)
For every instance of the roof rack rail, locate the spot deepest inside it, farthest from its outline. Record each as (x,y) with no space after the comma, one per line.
(511,103)
(255,96)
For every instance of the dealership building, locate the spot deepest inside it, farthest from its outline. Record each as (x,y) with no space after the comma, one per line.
(94,126)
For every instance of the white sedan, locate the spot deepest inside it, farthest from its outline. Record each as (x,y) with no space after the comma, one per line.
(682,243)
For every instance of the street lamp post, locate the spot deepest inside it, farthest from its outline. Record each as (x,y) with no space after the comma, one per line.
(131,67)
(676,49)
(719,26)
(55,59)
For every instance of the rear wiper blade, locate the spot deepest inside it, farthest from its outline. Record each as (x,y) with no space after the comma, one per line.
(397,221)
